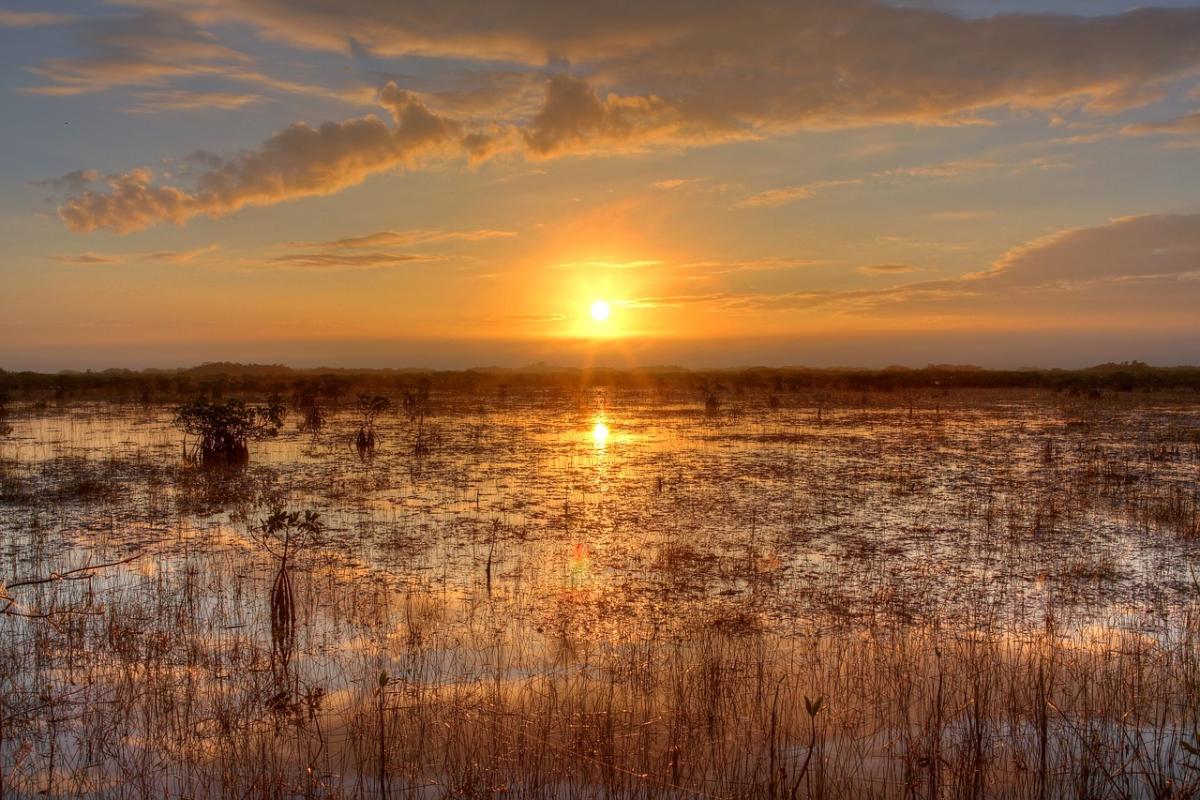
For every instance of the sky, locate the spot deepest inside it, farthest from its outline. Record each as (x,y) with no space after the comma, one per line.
(453,184)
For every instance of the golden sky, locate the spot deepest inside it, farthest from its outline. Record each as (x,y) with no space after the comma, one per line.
(368,183)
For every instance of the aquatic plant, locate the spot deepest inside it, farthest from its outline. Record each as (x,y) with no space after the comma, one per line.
(284,534)
(369,409)
(416,407)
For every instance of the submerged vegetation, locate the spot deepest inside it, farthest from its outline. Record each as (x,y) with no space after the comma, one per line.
(795,592)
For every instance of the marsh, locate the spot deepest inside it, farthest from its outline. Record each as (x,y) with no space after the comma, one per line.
(610,591)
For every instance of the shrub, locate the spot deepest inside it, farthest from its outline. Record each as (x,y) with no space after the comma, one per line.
(369,407)
(225,429)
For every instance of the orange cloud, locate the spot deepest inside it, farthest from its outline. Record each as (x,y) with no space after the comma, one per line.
(32,19)
(763,64)
(1189,124)
(1136,264)
(407,238)
(788,194)
(298,161)
(886,269)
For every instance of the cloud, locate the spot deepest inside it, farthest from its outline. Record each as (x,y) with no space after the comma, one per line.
(963,215)
(298,161)
(348,260)
(697,270)
(180,256)
(149,48)
(761,65)
(32,19)
(78,180)
(155,48)
(1155,250)
(1189,124)
(172,256)
(573,118)
(667,184)
(527,319)
(600,264)
(621,79)
(1086,265)
(409,238)
(789,194)
(679,300)
(85,258)
(1130,247)
(886,269)
(946,170)
(1131,266)
(181,100)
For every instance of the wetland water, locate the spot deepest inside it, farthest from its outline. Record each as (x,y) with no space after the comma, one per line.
(610,594)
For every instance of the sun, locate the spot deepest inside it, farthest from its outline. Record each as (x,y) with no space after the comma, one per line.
(600,310)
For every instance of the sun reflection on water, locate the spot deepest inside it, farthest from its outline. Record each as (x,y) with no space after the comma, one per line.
(600,433)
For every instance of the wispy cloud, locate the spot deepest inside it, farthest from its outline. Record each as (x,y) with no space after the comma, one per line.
(640,263)
(886,269)
(33,19)
(714,267)
(409,238)
(374,260)
(1188,124)
(85,258)
(149,48)
(171,256)
(527,319)
(1143,250)
(944,170)
(159,48)
(667,184)
(790,194)
(964,215)
(182,100)
(780,64)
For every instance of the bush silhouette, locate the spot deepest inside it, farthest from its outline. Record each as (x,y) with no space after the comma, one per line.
(225,429)
(369,407)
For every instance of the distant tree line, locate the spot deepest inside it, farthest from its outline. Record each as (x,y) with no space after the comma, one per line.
(216,382)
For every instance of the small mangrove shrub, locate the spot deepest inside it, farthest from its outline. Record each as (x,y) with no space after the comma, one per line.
(224,430)
(369,409)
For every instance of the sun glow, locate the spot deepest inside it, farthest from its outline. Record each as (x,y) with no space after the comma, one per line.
(600,434)
(601,310)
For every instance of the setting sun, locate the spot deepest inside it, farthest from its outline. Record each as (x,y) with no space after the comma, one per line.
(601,310)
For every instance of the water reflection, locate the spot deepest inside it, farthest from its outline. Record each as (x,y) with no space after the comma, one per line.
(600,433)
